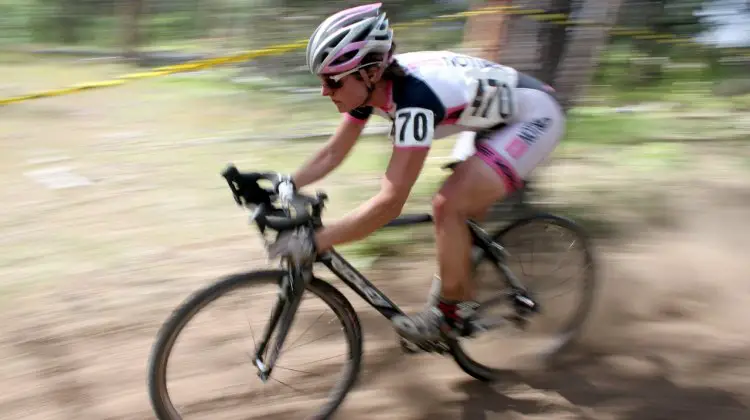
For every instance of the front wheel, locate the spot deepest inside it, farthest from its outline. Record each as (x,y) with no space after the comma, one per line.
(211,350)
(537,236)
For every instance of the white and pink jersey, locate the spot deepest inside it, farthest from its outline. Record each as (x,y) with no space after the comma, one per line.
(445,93)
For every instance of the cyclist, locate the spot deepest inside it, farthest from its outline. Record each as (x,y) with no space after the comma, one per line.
(427,95)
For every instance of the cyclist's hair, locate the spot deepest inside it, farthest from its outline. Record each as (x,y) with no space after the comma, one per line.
(393,71)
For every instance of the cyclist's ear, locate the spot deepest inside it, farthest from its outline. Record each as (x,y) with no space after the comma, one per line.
(375,73)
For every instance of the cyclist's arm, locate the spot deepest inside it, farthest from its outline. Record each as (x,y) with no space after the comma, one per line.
(407,160)
(332,154)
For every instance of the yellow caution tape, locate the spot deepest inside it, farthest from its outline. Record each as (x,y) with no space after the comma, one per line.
(536,14)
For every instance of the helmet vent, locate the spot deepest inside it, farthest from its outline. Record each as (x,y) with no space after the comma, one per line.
(346,57)
(361,37)
(335,41)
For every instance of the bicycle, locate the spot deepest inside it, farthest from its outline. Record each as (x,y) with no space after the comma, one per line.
(293,281)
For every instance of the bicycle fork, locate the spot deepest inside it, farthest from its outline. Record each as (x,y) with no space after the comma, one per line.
(290,294)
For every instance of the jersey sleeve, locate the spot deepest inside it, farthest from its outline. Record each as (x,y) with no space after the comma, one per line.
(413,127)
(361,114)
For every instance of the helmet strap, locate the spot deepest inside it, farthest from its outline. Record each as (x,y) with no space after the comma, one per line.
(370,86)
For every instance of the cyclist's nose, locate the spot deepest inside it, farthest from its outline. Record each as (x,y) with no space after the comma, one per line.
(325,91)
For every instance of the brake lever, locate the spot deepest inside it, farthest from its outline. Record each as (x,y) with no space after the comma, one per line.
(235,192)
(258,217)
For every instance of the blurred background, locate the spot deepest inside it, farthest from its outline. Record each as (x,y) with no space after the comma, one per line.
(114,211)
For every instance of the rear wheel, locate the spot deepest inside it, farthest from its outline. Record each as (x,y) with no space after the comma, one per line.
(211,366)
(545,289)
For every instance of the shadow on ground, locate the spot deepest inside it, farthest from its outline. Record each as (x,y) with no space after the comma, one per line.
(590,388)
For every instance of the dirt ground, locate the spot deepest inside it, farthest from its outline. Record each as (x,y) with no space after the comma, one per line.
(90,272)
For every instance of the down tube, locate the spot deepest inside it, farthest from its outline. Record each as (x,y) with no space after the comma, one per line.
(354,279)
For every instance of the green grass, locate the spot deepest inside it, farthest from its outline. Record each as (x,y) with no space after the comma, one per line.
(740,103)
(176,110)
(658,156)
(612,128)
(706,118)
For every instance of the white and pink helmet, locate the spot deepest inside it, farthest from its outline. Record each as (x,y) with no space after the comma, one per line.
(341,42)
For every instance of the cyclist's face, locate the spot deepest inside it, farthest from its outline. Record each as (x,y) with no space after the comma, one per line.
(346,93)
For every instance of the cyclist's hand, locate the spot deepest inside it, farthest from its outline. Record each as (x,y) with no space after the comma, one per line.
(297,244)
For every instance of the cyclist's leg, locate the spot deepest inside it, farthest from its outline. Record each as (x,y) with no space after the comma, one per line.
(467,193)
(502,160)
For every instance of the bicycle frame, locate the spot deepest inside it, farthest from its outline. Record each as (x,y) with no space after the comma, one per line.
(339,266)
(377,299)
(285,310)
(293,285)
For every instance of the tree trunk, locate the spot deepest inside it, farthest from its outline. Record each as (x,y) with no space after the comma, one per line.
(552,39)
(582,52)
(131,11)
(485,34)
(521,49)
(69,22)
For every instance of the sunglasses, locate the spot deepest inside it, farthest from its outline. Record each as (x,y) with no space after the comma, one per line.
(334,82)
(331,83)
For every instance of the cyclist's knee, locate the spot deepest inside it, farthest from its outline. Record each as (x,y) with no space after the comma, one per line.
(439,203)
(446,205)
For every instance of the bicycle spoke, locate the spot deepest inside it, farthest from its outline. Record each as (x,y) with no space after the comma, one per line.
(311,341)
(297,370)
(325,358)
(311,362)
(286,385)
(565,259)
(306,330)
(531,258)
(252,333)
(586,267)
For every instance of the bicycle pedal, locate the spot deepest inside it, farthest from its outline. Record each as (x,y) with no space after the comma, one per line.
(408,347)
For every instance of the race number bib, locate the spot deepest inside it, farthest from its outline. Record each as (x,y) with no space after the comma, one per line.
(413,127)
(492,99)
